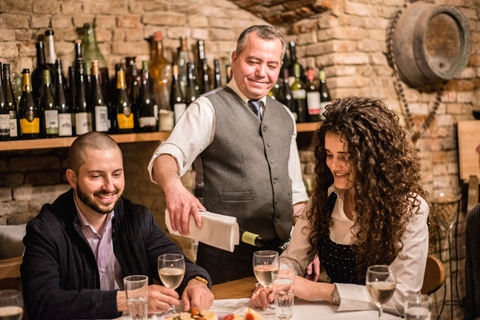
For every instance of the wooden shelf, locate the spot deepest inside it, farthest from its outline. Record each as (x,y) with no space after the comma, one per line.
(66,142)
(18,145)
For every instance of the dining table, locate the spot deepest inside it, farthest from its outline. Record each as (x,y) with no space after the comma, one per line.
(234,298)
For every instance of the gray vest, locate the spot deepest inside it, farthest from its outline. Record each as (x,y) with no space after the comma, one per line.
(244,171)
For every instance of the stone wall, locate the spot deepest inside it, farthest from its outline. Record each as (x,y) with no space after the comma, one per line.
(348,40)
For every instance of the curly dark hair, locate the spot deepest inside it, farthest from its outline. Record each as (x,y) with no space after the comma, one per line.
(387,181)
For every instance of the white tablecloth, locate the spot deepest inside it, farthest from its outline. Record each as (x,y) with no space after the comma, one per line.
(302,310)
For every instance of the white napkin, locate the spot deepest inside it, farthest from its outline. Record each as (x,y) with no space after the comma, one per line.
(217,230)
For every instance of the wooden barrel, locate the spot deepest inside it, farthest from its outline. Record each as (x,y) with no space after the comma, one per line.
(431,43)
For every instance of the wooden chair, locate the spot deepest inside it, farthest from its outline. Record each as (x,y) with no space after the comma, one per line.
(10,273)
(434,275)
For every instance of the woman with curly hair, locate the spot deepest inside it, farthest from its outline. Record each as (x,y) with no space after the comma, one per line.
(367,208)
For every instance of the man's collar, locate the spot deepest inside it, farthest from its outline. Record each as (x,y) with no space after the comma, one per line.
(233,85)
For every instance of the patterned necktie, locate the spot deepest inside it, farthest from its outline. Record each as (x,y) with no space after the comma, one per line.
(255,105)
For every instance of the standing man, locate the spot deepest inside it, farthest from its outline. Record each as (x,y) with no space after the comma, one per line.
(246,158)
(79,249)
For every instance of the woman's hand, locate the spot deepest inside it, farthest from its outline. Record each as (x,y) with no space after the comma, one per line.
(261,296)
(309,290)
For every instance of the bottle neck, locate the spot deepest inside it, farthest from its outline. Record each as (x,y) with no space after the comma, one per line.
(40,55)
(27,87)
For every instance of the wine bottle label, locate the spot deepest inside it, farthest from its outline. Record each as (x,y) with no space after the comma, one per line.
(65,124)
(178,109)
(125,122)
(101,118)
(249,238)
(155,111)
(313,102)
(299,94)
(5,124)
(13,124)
(147,122)
(30,127)
(82,123)
(51,121)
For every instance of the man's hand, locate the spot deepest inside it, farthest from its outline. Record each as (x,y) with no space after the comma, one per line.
(159,299)
(197,295)
(180,205)
(262,296)
(313,270)
(180,202)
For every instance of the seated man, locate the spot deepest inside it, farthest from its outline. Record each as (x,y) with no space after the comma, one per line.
(79,249)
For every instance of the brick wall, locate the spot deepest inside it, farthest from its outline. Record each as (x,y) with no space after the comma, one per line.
(348,40)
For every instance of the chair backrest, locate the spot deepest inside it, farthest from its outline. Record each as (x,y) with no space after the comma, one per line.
(10,273)
(434,275)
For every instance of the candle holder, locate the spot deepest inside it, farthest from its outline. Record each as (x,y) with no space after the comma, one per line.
(447,209)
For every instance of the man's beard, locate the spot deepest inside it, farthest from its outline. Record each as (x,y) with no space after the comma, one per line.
(91,202)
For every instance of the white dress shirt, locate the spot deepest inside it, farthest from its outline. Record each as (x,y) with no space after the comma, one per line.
(409,265)
(195,131)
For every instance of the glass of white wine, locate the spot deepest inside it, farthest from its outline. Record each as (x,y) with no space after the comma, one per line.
(381,282)
(11,305)
(264,263)
(171,269)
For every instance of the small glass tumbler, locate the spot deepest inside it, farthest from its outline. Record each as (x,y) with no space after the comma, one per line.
(283,290)
(136,288)
(418,307)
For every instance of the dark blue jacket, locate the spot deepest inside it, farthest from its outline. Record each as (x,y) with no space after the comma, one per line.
(60,278)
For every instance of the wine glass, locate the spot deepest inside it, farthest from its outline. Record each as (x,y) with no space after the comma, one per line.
(11,304)
(171,269)
(264,263)
(381,282)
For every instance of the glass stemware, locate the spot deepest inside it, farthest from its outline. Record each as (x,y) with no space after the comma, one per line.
(171,269)
(381,282)
(11,304)
(264,263)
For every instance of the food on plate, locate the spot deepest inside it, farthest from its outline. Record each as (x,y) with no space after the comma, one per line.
(195,314)
(253,315)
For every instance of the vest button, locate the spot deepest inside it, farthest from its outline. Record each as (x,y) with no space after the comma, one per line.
(275,180)
(271,161)
(264,128)
(269,144)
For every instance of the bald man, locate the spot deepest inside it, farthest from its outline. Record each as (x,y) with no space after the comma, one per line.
(79,249)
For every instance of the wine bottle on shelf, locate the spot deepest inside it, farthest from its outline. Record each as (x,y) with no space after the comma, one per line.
(11,102)
(286,96)
(205,79)
(299,95)
(229,72)
(190,94)
(150,88)
(217,79)
(64,107)
(29,119)
(87,67)
(100,119)
(37,73)
(129,61)
(72,93)
(48,109)
(200,56)
(50,53)
(91,52)
(313,97)
(4,113)
(177,100)
(325,98)
(183,59)
(134,96)
(160,71)
(146,105)
(293,63)
(83,116)
(251,238)
(125,117)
